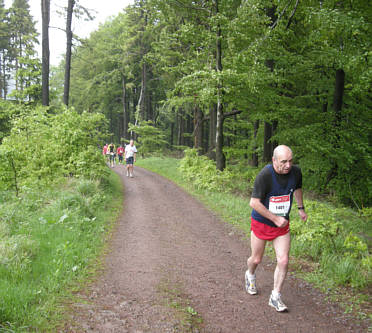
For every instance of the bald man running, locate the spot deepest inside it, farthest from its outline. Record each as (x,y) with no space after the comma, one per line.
(271,201)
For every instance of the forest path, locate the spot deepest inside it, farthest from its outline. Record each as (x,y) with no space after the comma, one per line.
(173,266)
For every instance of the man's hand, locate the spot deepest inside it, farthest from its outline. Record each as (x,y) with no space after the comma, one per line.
(281,222)
(302,214)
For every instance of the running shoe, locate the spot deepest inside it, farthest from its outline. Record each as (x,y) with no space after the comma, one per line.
(250,285)
(277,303)
(131,175)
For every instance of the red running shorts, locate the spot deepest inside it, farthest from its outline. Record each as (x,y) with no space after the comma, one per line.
(266,232)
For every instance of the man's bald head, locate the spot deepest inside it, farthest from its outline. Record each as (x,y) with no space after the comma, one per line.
(282,159)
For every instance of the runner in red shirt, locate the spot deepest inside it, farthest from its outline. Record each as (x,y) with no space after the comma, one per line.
(104,150)
(120,152)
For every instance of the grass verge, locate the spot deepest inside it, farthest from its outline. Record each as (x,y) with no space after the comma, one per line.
(318,247)
(49,245)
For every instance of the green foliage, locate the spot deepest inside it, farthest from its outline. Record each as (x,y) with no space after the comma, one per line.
(331,237)
(49,240)
(150,138)
(7,111)
(43,147)
(202,173)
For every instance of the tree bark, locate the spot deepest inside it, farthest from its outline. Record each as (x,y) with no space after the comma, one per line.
(45,15)
(220,157)
(337,108)
(267,152)
(254,161)
(212,130)
(171,139)
(141,100)
(125,109)
(198,129)
(181,126)
(66,91)
(1,76)
(338,95)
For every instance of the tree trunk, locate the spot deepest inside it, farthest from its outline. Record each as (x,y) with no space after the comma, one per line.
(267,152)
(338,95)
(171,134)
(45,14)
(189,130)
(337,107)
(181,125)
(254,161)
(198,129)
(1,76)
(212,131)
(142,98)
(205,137)
(274,143)
(125,109)
(66,92)
(220,157)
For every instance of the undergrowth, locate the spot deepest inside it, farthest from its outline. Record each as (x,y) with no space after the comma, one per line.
(50,238)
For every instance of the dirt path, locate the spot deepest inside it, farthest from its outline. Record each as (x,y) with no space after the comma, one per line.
(175,267)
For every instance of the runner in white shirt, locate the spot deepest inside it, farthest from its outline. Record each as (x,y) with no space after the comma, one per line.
(130,157)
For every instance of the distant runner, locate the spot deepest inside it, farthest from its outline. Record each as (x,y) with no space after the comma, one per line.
(130,157)
(271,201)
(120,152)
(104,149)
(111,150)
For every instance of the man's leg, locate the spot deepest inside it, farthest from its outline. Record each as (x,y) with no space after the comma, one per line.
(282,245)
(257,252)
(131,170)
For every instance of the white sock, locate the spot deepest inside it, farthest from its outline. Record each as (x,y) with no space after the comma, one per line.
(275,294)
(251,276)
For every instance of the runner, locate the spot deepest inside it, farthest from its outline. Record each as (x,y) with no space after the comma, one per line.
(104,149)
(120,152)
(271,201)
(130,157)
(111,150)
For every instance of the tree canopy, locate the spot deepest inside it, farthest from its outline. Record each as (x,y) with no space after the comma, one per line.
(231,78)
(294,72)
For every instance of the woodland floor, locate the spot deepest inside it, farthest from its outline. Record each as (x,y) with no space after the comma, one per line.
(173,266)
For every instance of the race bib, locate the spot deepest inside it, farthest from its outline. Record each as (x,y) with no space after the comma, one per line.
(280,205)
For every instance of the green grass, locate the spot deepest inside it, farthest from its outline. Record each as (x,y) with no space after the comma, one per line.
(323,252)
(51,241)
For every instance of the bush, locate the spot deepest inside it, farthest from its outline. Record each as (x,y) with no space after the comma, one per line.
(51,146)
(202,172)
(340,252)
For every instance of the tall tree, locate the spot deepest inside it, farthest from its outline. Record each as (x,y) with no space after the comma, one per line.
(45,18)
(23,36)
(66,92)
(4,41)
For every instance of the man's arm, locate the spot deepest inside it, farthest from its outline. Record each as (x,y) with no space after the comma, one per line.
(258,206)
(134,157)
(300,203)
